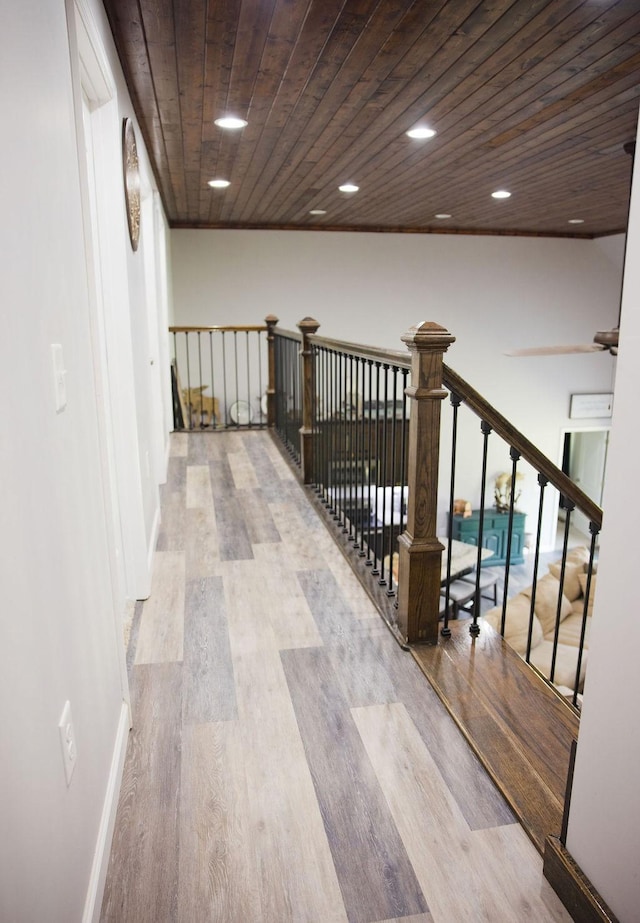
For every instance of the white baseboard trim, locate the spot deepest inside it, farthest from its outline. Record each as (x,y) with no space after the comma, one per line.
(95,891)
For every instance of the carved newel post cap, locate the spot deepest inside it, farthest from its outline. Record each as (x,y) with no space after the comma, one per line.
(308,325)
(428,335)
(271,320)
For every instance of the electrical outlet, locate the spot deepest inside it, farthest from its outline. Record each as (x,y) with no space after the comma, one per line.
(68,741)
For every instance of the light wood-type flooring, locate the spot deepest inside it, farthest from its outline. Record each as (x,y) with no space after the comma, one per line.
(288,760)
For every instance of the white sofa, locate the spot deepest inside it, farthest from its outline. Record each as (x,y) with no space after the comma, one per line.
(544,620)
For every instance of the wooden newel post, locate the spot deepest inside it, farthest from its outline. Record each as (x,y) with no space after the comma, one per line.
(307,326)
(419,549)
(271,320)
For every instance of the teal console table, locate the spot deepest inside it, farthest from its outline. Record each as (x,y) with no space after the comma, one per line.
(495,529)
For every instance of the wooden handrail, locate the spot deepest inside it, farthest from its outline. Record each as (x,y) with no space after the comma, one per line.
(239,328)
(390,356)
(289,334)
(483,409)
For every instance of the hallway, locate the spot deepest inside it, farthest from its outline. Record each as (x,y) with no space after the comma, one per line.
(289,761)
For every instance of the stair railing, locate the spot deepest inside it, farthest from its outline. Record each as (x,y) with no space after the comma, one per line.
(549,477)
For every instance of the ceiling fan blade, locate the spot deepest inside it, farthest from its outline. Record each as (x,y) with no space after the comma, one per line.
(607,338)
(556,350)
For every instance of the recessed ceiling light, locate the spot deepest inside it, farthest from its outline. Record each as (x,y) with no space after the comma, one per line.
(348,187)
(231,121)
(421,131)
(443,215)
(317,211)
(576,220)
(219,183)
(501,194)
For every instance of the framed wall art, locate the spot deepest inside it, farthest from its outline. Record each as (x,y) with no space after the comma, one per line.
(131,172)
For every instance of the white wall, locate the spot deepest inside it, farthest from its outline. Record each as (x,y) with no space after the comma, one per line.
(60,636)
(492,293)
(604,822)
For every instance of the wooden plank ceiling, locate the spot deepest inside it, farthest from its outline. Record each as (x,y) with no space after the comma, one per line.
(534,97)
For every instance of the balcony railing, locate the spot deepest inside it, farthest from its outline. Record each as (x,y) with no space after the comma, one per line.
(364,427)
(288,390)
(219,377)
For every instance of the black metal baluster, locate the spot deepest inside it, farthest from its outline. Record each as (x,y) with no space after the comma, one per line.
(261,387)
(455,403)
(569,508)
(377,531)
(297,368)
(337,455)
(178,396)
(326,433)
(248,377)
(326,425)
(278,369)
(594,530)
(214,416)
(515,458)
(288,394)
(300,386)
(372,493)
(385,475)
(186,343)
(357,471)
(317,386)
(235,360)
(542,482)
(316,356)
(200,378)
(292,404)
(345,449)
(282,397)
(224,379)
(364,476)
(337,436)
(394,482)
(352,462)
(474,628)
(296,359)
